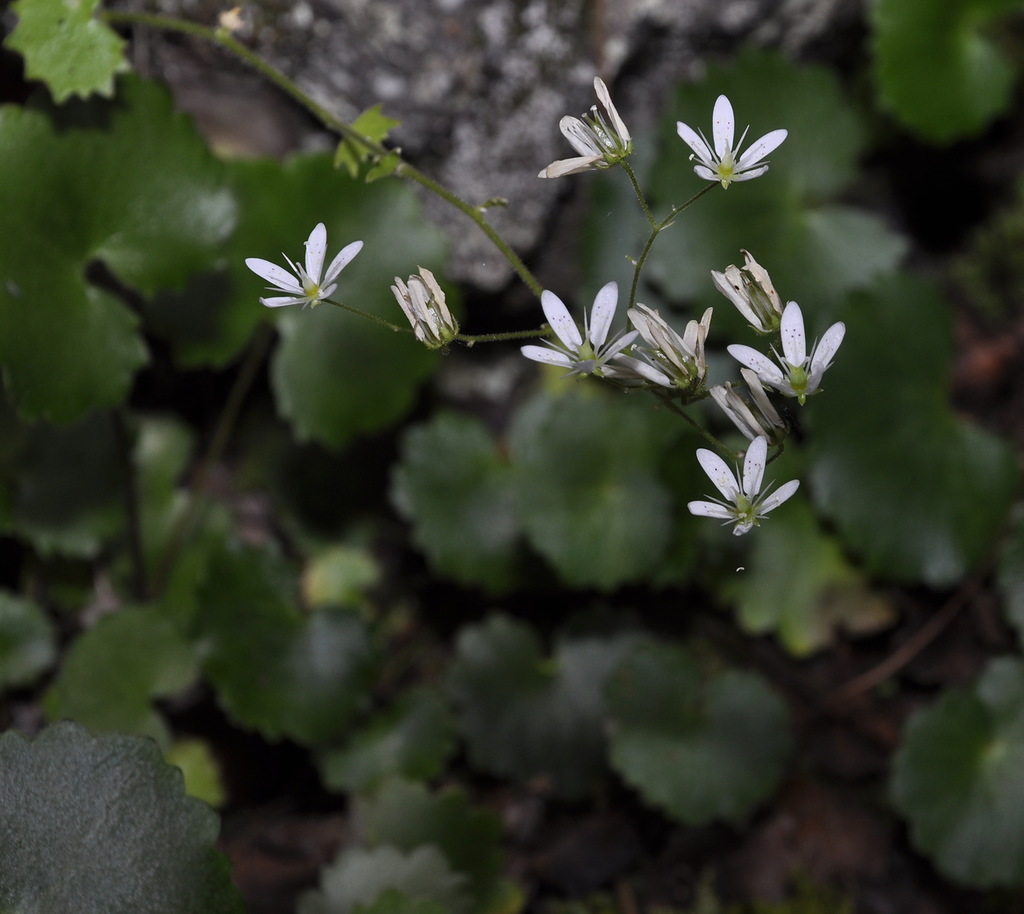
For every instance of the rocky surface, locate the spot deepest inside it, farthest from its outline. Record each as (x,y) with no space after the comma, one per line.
(478,85)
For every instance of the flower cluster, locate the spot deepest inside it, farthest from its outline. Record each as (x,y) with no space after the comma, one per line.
(650,354)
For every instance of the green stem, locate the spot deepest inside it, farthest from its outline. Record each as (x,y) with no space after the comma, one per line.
(371,317)
(639,193)
(225,40)
(498,337)
(657,229)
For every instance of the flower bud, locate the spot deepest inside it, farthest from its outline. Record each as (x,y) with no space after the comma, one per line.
(423,302)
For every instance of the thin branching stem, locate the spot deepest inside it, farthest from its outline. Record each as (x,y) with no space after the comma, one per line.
(224,38)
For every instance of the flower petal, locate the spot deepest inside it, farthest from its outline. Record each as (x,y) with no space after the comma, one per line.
(560,320)
(574,166)
(761,147)
(723,126)
(602,313)
(344,258)
(548,356)
(753,466)
(719,472)
(281,301)
(696,143)
(748,175)
(710,509)
(777,497)
(272,273)
(606,101)
(794,339)
(580,136)
(827,348)
(316,250)
(765,368)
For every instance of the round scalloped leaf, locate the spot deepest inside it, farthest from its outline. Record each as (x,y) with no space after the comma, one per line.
(103,824)
(412,740)
(816,250)
(455,489)
(281,672)
(913,489)
(958,775)
(27,641)
(359,879)
(66,47)
(588,497)
(113,671)
(935,70)
(406,815)
(57,511)
(527,716)
(798,584)
(700,747)
(129,183)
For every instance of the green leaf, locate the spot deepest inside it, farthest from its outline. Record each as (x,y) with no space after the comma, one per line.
(935,70)
(67,48)
(274,669)
(27,639)
(958,777)
(102,824)
(369,881)
(914,490)
(407,816)
(129,183)
(527,716)
(340,576)
(815,249)
(114,670)
(451,483)
(798,584)
(200,768)
(374,125)
(61,512)
(588,497)
(412,740)
(700,747)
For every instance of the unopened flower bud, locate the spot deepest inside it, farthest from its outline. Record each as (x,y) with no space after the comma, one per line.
(423,302)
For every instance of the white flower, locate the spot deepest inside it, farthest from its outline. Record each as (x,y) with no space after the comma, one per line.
(600,138)
(753,419)
(799,374)
(670,360)
(722,164)
(750,289)
(423,302)
(304,285)
(742,504)
(585,353)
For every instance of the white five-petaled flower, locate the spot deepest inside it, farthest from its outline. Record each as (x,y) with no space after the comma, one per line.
(800,374)
(304,285)
(751,290)
(742,503)
(423,302)
(585,353)
(723,162)
(669,359)
(600,138)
